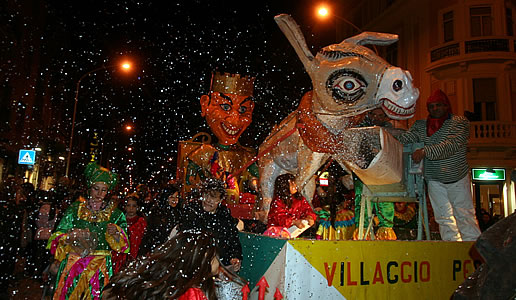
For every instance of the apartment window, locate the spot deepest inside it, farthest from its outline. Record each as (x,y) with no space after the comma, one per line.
(481,21)
(484,98)
(508,21)
(448,26)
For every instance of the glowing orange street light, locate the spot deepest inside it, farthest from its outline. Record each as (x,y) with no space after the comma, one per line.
(126,66)
(323,11)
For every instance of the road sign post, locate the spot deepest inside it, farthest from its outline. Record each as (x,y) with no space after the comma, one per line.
(27,157)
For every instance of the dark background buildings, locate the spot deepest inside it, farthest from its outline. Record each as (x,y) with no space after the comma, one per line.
(465,48)
(46,46)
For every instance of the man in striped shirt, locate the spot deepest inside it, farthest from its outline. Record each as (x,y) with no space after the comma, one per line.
(445,138)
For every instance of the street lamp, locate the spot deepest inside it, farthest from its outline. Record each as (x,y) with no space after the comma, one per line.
(128,128)
(126,66)
(324,11)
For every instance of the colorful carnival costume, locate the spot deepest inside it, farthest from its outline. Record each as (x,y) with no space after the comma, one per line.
(405,216)
(283,216)
(384,212)
(228,109)
(209,160)
(193,294)
(86,272)
(82,244)
(343,228)
(136,230)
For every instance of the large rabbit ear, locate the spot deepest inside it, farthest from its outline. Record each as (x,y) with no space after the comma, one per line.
(294,35)
(372,38)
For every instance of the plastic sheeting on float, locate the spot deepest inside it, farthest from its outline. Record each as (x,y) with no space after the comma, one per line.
(387,165)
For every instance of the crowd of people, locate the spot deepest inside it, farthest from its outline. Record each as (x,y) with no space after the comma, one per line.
(28,218)
(79,242)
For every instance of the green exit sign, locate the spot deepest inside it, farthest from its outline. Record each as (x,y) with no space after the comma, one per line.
(493,174)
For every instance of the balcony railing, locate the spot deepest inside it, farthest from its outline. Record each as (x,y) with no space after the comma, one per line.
(492,44)
(493,132)
(443,52)
(487,45)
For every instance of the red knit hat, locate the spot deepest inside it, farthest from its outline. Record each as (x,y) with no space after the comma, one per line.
(438,96)
(432,124)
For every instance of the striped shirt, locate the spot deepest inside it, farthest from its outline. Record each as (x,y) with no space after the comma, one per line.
(445,151)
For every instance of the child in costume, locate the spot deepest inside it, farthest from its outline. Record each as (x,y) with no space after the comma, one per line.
(405,215)
(335,220)
(288,206)
(82,243)
(137,226)
(385,211)
(341,229)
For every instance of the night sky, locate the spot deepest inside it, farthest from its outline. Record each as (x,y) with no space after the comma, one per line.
(175,46)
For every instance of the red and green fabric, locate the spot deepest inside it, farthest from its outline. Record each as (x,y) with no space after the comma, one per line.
(85,277)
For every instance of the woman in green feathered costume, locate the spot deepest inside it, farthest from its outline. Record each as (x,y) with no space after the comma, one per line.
(82,243)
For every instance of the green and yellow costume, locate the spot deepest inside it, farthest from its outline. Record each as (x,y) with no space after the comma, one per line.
(384,212)
(344,224)
(85,262)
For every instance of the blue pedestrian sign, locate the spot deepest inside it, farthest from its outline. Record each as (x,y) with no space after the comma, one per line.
(26,157)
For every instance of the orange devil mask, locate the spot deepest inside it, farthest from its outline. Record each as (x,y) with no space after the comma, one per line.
(228,108)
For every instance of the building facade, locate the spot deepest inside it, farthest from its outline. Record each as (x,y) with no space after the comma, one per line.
(28,117)
(467,49)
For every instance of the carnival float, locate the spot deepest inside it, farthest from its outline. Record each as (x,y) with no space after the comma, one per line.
(348,80)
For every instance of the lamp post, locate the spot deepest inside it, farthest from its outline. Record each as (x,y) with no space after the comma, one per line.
(323,12)
(125,66)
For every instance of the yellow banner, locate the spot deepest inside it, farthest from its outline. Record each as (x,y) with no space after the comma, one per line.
(390,269)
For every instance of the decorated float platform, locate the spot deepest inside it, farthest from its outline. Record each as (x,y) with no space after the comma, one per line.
(315,269)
